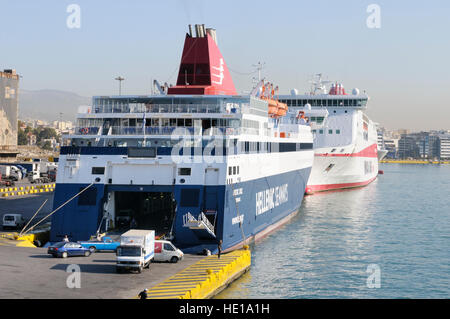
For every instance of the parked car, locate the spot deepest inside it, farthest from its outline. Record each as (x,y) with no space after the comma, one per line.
(105,244)
(166,251)
(68,249)
(13,221)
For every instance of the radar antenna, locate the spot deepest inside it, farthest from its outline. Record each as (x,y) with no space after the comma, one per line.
(318,85)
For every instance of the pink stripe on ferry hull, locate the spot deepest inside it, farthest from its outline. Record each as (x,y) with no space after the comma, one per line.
(371,151)
(328,187)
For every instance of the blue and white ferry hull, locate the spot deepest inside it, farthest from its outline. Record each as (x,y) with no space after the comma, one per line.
(246,206)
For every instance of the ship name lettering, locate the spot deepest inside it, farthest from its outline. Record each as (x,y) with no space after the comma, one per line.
(270,198)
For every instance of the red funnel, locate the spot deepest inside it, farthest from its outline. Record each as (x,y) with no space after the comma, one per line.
(203,70)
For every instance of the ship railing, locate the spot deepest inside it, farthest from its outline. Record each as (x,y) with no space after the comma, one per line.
(188,218)
(202,222)
(202,218)
(164,108)
(165,130)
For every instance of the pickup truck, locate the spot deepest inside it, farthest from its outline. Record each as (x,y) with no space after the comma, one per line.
(104,244)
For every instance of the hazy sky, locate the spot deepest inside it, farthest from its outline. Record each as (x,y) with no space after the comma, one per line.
(404,65)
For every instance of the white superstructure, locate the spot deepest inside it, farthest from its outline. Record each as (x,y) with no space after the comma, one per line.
(345,147)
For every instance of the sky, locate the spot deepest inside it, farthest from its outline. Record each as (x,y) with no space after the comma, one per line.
(403,63)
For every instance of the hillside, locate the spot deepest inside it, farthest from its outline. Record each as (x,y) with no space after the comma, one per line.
(48,104)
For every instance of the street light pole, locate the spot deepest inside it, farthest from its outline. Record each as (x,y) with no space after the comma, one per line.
(120,79)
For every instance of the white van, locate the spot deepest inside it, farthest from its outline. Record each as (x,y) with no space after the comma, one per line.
(136,250)
(13,221)
(166,251)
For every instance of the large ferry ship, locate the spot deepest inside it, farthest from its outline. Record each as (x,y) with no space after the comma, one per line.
(197,163)
(345,148)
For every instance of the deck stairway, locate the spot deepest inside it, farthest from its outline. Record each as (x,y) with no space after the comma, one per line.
(201,226)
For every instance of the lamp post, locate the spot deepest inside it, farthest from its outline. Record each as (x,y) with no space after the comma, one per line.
(120,79)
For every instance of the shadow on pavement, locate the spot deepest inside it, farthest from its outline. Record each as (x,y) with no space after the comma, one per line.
(88,268)
(42,256)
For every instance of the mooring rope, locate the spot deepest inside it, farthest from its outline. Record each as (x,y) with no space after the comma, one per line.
(59,208)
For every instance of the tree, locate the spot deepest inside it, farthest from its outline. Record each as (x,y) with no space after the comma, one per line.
(47,146)
(21,137)
(46,133)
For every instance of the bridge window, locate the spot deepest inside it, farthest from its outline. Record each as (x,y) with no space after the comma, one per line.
(184,171)
(98,170)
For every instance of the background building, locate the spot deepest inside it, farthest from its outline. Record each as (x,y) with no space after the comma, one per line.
(9,106)
(444,146)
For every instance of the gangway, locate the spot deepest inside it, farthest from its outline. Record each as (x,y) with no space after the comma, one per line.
(201,226)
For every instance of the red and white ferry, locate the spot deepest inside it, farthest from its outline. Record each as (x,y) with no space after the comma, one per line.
(345,145)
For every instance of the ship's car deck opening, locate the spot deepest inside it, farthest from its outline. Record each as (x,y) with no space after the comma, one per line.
(145,210)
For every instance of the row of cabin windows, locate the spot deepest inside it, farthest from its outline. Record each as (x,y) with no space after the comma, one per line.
(233,170)
(327,102)
(329,131)
(268,147)
(318,119)
(157,122)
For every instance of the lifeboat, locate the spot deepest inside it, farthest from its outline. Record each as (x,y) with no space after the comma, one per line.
(276,109)
(273,107)
(282,109)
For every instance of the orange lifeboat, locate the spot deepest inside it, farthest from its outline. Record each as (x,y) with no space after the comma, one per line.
(276,108)
(282,109)
(273,107)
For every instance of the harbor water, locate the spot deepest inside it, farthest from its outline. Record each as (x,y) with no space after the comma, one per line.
(390,239)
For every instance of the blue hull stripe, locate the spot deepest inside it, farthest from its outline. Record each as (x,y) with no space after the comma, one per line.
(260,203)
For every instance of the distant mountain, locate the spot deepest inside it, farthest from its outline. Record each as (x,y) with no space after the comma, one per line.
(47,105)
